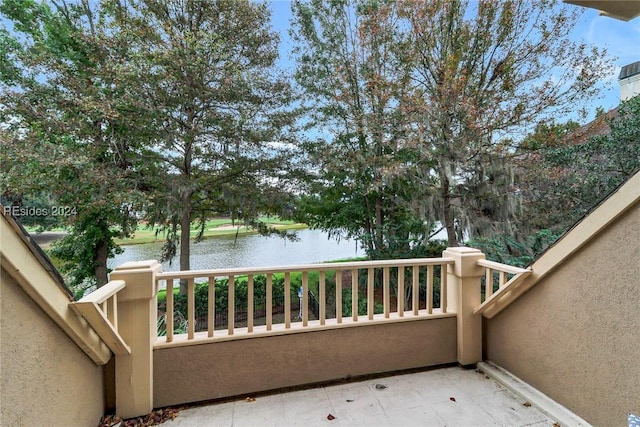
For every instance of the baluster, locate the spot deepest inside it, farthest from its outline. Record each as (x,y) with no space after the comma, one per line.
(488,283)
(415,296)
(169,309)
(339,296)
(401,291)
(211,306)
(354,294)
(443,287)
(287,300)
(305,298)
(370,283)
(250,303)
(386,300)
(112,311)
(322,297)
(503,279)
(231,296)
(430,289)
(268,303)
(191,308)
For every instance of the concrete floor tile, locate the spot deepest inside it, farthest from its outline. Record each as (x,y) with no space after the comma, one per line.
(508,410)
(205,416)
(424,416)
(417,399)
(265,411)
(463,413)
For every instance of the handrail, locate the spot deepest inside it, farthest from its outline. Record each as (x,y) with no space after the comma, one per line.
(380,275)
(303,267)
(100,295)
(100,310)
(501,267)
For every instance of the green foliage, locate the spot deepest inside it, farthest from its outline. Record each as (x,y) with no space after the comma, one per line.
(201,291)
(72,133)
(508,250)
(416,99)
(574,169)
(348,66)
(347,304)
(117,109)
(78,248)
(206,73)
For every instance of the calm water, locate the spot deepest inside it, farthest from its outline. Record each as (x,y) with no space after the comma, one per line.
(249,251)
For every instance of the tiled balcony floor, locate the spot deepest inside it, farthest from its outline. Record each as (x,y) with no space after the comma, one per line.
(417,399)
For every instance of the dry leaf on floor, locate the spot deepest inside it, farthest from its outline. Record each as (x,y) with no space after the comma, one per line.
(330,417)
(453,399)
(251,399)
(527,404)
(156,417)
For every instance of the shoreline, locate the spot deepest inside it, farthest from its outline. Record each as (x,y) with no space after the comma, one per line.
(46,238)
(221,231)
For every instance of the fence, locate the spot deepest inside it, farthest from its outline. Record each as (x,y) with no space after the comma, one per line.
(352,291)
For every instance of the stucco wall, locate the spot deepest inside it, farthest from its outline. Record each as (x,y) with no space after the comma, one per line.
(45,378)
(210,371)
(576,334)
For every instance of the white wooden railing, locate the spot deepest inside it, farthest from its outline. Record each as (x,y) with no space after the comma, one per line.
(499,281)
(100,310)
(397,277)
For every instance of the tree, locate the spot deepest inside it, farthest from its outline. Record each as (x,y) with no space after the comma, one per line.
(349,66)
(72,129)
(582,170)
(459,82)
(483,72)
(206,69)
(539,181)
(563,172)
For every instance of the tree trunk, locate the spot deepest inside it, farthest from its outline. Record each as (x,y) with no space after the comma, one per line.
(449,219)
(379,239)
(185,234)
(101,270)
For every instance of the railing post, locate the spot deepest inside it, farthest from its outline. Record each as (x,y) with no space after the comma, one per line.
(463,288)
(137,317)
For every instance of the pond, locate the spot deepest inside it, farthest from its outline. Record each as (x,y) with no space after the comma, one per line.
(249,251)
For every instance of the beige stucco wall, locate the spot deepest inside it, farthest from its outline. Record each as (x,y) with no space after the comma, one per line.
(45,378)
(576,334)
(210,371)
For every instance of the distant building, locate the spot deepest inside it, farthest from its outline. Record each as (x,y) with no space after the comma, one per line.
(629,80)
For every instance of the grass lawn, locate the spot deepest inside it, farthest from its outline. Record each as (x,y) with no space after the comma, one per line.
(213,228)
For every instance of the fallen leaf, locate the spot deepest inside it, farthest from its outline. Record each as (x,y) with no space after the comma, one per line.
(251,399)
(556,424)
(330,417)
(349,400)
(527,404)
(380,386)
(453,399)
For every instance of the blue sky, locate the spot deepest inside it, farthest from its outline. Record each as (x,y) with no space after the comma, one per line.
(621,39)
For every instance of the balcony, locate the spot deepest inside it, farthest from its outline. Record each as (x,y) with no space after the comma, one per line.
(362,319)
(566,327)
